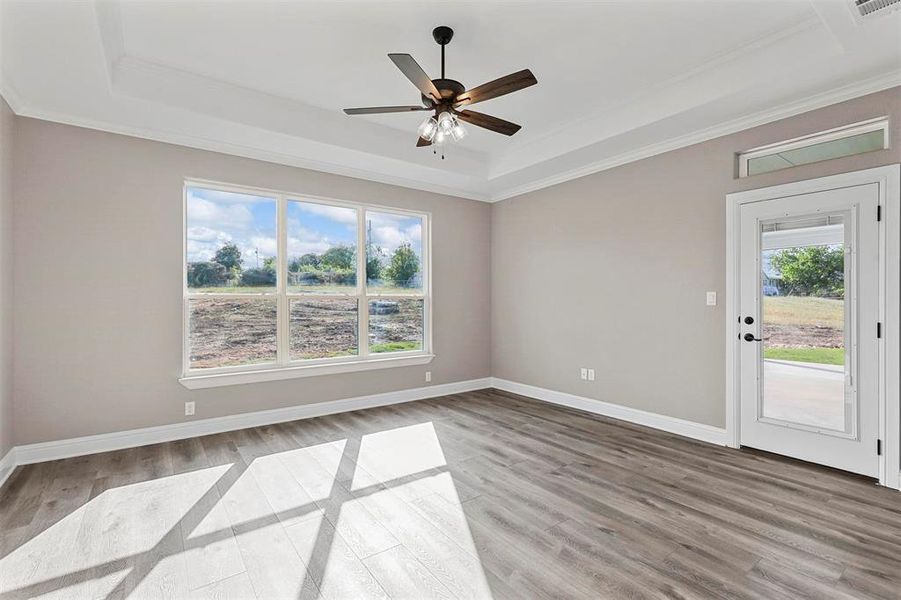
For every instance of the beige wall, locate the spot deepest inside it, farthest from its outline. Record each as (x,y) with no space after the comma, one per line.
(98,297)
(7,123)
(610,271)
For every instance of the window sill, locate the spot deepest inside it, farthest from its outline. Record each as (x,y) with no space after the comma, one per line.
(201,381)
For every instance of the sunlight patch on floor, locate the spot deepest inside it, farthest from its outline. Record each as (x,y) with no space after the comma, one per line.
(419,497)
(298,523)
(395,453)
(315,468)
(91,550)
(46,556)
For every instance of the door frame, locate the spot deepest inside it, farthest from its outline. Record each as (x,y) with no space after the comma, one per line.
(889,282)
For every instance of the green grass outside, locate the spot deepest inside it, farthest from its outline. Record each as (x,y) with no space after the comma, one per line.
(391,290)
(823,356)
(394,347)
(374,349)
(315,355)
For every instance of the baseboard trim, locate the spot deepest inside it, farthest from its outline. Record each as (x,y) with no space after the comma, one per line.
(690,429)
(34,453)
(92,444)
(7,465)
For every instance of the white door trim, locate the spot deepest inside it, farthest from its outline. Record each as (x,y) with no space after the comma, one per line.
(889,180)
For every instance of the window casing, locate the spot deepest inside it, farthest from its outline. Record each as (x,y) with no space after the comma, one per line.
(295,301)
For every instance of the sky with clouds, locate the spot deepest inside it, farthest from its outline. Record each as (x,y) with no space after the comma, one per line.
(215,218)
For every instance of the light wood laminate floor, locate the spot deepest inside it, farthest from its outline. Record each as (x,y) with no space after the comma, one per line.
(476,495)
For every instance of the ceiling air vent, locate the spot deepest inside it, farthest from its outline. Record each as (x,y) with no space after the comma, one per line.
(869,7)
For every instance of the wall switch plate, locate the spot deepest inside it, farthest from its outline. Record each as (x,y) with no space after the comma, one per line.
(711,298)
(428,377)
(590,374)
(189,409)
(584,373)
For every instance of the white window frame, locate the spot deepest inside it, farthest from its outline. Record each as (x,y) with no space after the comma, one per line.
(284,367)
(838,133)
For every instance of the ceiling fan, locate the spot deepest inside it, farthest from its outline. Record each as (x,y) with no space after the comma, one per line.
(446,96)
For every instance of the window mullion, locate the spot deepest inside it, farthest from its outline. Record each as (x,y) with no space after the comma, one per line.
(185,315)
(362,303)
(282,305)
(427,284)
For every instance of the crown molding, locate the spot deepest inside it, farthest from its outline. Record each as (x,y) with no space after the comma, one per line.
(145,81)
(708,81)
(9,93)
(841,94)
(482,188)
(246,151)
(584,123)
(790,109)
(112,41)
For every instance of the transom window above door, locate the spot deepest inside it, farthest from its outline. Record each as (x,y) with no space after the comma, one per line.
(280,285)
(847,140)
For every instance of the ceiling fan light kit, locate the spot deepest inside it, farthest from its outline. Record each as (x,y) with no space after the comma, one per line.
(428,129)
(444,96)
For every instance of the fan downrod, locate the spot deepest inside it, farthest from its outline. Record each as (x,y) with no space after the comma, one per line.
(443,35)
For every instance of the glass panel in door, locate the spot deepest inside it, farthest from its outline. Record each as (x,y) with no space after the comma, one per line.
(803,326)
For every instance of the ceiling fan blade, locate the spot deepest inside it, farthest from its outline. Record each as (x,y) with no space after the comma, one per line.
(422,142)
(374,110)
(498,87)
(488,122)
(414,73)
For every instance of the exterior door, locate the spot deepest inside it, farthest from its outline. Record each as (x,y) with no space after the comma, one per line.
(808,327)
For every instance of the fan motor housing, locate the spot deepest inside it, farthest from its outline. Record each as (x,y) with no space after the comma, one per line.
(449,88)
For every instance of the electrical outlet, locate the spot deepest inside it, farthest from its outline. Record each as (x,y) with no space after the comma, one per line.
(189,409)
(428,377)
(711,298)
(584,373)
(590,374)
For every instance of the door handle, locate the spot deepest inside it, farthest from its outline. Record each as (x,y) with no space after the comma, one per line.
(749,337)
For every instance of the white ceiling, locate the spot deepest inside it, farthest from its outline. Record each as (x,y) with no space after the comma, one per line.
(617,80)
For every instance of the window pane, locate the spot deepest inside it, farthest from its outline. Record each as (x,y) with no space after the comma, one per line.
(227,332)
(816,152)
(231,242)
(323,327)
(322,248)
(395,325)
(393,253)
(803,326)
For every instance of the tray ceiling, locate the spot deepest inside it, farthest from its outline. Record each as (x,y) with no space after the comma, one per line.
(617,80)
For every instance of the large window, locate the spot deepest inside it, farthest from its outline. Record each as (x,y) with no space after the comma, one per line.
(277,285)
